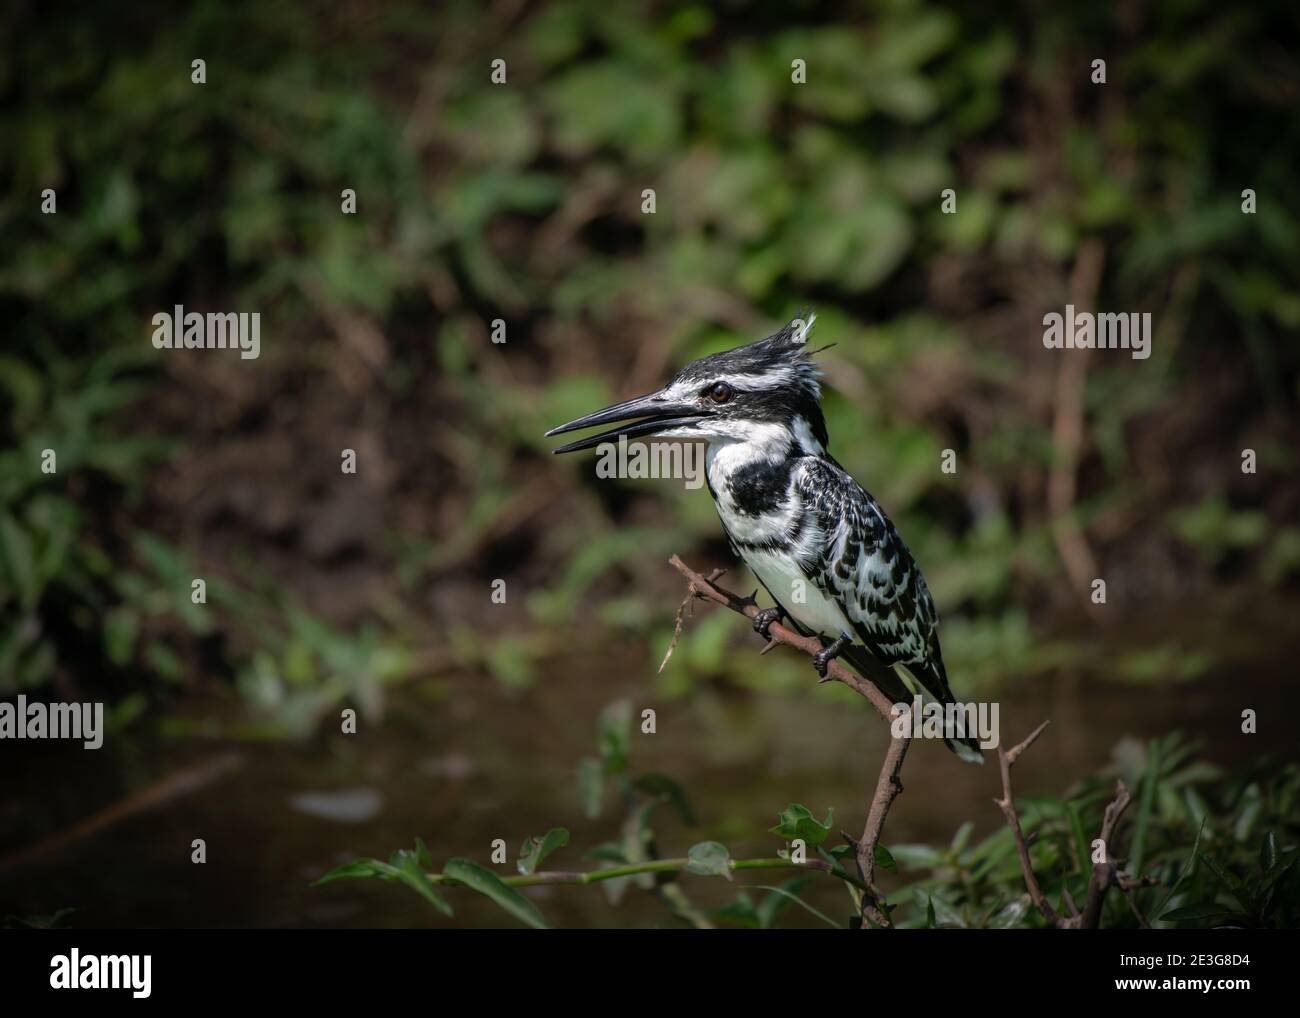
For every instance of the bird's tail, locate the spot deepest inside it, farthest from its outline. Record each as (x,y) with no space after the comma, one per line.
(934,679)
(931,677)
(967,749)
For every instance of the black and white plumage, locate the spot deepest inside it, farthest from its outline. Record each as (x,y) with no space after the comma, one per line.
(818,542)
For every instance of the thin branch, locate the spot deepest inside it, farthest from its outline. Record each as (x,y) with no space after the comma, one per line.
(1104,874)
(660,866)
(683,610)
(1007,804)
(706,590)
(1128,889)
(888,785)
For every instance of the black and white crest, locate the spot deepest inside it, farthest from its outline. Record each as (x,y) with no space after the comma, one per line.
(782,359)
(773,380)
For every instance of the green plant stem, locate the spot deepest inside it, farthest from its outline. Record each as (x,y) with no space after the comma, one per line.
(660,866)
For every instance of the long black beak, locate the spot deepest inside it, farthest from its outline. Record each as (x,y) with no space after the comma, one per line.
(648,415)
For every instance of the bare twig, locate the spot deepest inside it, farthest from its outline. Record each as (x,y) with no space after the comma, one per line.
(706,590)
(1128,887)
(888,785)
(1104,874)
(1007,757)
(683,610)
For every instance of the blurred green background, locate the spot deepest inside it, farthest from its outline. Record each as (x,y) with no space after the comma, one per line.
(523,201)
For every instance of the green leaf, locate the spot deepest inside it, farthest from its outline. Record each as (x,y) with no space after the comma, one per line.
(405,866)
(358,869)
(536,849)
(58,921)
(709,859)
(803,904)
(121,627)
(1009,916)
(1145,804)
(668,790)
(637,839)
(409,866)
(961,838)
(945,914)
(1187,866)
(1251,809)
(1230,882)
(614,735)
(17,560)
(1269,881)
(1268,852)
(884,860)
(798,822)
(488,884)
(1200,912)
(772,905)
(918,857)
(929,913)
(1195,806)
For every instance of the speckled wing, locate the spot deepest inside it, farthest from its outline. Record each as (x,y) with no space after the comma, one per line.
(865,566)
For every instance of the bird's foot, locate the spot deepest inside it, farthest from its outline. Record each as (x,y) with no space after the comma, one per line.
(764,619)
(823,658)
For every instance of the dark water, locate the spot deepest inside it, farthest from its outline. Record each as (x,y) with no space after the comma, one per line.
(463,768)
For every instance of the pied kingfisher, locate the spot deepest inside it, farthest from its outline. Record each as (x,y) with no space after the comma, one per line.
(817,541)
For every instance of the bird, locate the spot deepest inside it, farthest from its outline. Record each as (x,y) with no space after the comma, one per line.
(818,542)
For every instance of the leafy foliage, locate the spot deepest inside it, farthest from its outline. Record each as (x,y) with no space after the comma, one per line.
(798,822)
(1210,844)
(1220,848)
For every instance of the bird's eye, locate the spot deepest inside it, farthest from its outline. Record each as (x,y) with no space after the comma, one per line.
(719,392)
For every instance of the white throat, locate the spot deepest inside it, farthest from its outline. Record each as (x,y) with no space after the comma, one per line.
(755,443)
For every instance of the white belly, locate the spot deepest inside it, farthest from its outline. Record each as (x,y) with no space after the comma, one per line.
(804,601)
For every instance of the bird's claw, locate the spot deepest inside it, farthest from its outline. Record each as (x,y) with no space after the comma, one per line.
(823,658)
(764,619)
